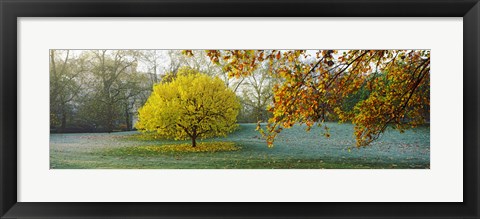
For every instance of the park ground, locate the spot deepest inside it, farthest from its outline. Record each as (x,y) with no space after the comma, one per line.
(294,149)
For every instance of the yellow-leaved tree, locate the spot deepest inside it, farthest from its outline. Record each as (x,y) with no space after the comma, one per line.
(193,105)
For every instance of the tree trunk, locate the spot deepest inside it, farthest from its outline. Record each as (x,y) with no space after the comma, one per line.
(128,123)
(64,119)
(194,137)
(109,119)
(194,142)
(127,118)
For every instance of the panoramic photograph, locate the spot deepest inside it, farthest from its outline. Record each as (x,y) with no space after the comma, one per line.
(239,109)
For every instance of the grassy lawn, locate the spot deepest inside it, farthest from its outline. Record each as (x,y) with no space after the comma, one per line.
(294,149)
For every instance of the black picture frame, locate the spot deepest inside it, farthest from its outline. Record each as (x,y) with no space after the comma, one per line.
(10,10)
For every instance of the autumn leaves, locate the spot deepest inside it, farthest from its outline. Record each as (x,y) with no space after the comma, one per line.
(373,89)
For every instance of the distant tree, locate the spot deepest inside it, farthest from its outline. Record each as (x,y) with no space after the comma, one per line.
(66,71)
(190,106)
(201,62)
(257,95)
(133,95)
(114,85)
(152,60)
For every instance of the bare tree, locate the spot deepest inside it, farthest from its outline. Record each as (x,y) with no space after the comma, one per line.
(65,71)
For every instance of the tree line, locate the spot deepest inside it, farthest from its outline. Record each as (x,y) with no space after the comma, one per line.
(102,90)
